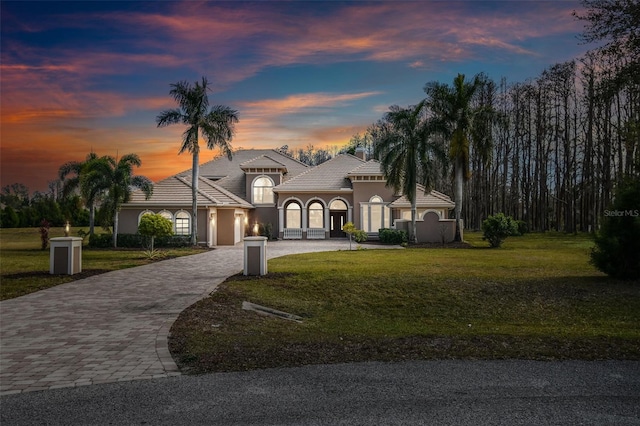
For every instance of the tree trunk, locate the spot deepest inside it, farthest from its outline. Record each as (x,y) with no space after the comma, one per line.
(92,218)
(115,229)
(458,195)
(414,238)
(194,195)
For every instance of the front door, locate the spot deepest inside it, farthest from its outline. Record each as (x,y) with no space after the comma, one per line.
(338,219)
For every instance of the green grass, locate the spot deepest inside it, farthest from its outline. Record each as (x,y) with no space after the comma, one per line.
(25,267)
(536,297)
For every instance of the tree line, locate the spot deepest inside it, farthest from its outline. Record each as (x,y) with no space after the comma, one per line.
(548,151)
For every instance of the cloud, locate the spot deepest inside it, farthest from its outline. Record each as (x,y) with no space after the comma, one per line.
(295,103)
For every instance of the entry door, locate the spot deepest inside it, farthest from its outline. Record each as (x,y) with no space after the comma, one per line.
(338,219)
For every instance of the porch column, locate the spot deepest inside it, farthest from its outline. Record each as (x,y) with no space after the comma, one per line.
(304,219)
(327,219)
(350,214)
(280,221)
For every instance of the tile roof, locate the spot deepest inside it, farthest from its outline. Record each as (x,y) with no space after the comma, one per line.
(263,162)
(328,176)
(431,199)
(370,168)
(229,175)
(176,191)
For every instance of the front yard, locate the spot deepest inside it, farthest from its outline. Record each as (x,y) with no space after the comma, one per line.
(25,267)
(535,298)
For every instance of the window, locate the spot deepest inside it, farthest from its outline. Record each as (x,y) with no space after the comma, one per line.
(142,214)
(375,214)
(337,205)
(263,190)
(166,215)
(183,223)
(316,215)
(294,216)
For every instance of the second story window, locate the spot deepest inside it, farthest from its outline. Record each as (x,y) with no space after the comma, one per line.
(263,191)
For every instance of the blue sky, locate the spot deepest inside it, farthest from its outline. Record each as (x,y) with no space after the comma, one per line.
(88,75)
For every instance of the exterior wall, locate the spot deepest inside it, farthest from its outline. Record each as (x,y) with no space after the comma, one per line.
(203,224)
(250,177)
(432,229)
(362,193)
(264,215)
(421,212)
(128,220)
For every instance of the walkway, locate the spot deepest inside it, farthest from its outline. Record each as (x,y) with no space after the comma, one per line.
(113,327)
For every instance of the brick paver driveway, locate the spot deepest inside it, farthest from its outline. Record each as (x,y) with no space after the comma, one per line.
(113,327)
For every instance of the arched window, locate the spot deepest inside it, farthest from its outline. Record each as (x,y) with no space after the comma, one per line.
(375,214)
(263,190)
(142,214)
(316,215)
(183,223)
(294,216)
(166,215)
(337,205)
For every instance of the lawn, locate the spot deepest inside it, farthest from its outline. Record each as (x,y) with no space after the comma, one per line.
(537,297)
(25,267)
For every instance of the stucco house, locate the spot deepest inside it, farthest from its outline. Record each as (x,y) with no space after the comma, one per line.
(300,202)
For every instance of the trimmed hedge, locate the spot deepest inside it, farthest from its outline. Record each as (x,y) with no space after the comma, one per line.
(392,236)
(137,241)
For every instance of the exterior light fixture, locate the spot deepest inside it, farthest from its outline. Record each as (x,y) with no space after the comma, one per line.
(66,229)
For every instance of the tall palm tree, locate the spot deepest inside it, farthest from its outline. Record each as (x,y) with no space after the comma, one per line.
(117,176)
(216,125)
(453,116)
(407,154)
(72,175)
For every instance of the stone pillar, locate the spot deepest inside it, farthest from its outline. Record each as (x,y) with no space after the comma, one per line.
(65,255)
(255,256)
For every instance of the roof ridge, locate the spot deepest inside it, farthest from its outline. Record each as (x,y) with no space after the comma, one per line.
(204,194)
(225,192)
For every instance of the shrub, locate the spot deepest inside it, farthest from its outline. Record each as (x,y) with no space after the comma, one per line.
(350,229)
(44,233)
(137,241)
(497,228)
(617,250)
(393,236)
(155,225)
(360,236)
(523,228)
(265,230)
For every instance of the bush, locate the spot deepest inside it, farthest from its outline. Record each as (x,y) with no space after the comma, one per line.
(523,228)
(155,225)
(137,241)
(265,230)
(497,228)
(44,234)
(360,236)
(393,236)
(617,250)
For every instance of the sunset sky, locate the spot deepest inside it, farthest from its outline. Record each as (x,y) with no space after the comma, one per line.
(87,75)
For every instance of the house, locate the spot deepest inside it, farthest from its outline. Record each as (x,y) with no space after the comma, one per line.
(300,202)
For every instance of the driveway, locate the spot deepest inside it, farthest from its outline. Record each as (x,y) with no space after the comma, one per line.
(113,327)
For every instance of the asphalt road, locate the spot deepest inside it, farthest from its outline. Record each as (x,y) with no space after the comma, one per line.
(407,393)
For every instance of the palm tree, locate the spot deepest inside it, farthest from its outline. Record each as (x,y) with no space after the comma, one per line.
(117,176)
(72,175)
(453,117)
(403,147)
(217,127)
